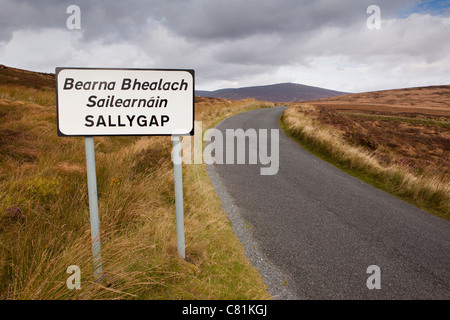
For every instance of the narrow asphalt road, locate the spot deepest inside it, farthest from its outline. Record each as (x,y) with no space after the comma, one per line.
(323,228)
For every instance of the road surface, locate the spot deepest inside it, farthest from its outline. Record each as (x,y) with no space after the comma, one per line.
(323,228)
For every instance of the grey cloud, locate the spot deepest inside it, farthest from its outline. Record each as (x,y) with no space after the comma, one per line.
(233,19)
(224,40)
(115,20)
(29,15)
(111,20)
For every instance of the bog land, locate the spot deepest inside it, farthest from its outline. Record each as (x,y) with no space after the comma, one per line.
(398,140)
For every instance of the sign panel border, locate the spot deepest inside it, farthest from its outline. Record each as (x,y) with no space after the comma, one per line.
(61,134)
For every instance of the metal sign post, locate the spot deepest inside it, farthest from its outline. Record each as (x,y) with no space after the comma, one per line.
(93,206)
(179,208)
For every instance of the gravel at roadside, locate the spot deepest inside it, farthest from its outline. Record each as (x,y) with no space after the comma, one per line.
(275,280)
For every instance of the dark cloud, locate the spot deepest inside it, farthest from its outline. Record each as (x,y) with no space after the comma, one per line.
(110,20)
(192,19)
(30,15)
(232,19)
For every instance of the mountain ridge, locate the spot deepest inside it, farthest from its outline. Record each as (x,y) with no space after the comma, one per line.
(279,92)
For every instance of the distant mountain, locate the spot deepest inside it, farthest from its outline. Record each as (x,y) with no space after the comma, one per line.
(282,92)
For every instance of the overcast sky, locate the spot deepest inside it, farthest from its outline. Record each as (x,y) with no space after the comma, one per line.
(230,43)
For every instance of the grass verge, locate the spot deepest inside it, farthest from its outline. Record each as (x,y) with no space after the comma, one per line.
(428,192)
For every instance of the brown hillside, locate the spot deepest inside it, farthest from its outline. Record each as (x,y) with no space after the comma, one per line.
(406,131)
(24,78)
(432,100)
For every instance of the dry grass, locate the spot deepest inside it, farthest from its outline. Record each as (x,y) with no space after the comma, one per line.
(406,154)
(44,215)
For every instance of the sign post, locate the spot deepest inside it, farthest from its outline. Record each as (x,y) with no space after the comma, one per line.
(126,102)
(179,207)
(93,207)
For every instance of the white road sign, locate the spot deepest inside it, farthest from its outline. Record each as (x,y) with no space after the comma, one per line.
(113,102)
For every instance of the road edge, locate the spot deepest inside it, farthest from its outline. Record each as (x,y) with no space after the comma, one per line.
(276,281)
